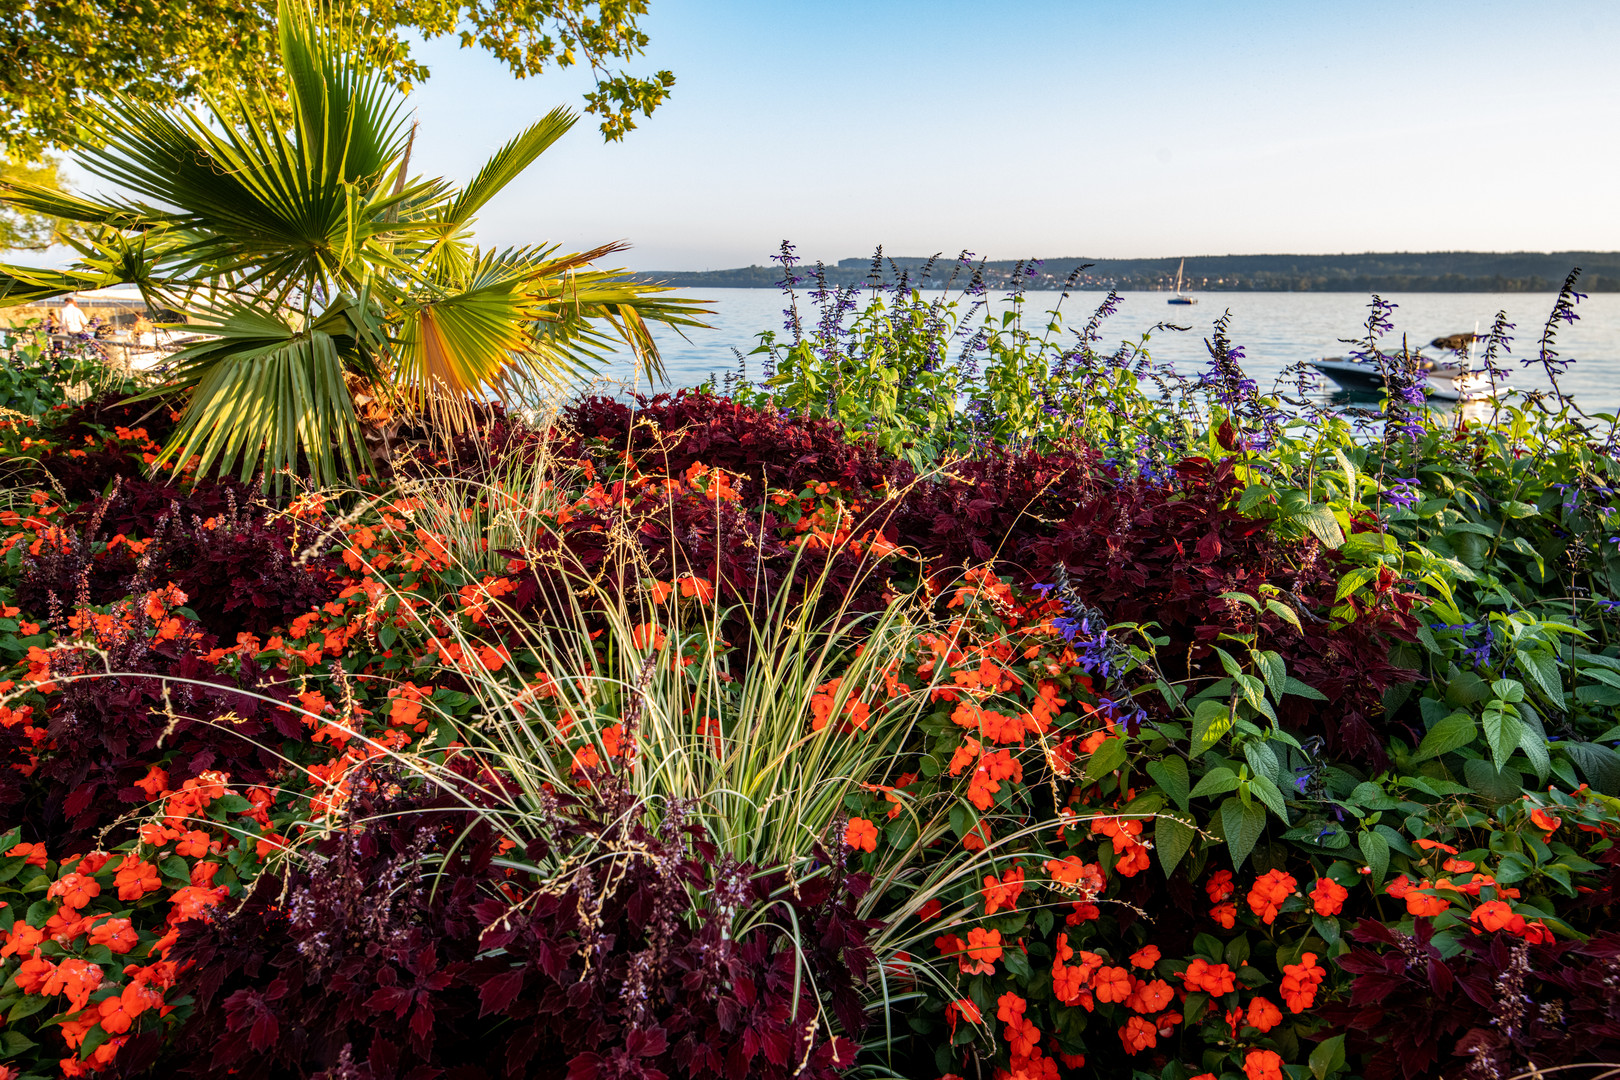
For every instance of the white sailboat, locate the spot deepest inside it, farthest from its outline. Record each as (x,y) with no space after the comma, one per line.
(1178,298)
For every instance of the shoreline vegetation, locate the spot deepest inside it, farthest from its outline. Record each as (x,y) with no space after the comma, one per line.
(1387,272)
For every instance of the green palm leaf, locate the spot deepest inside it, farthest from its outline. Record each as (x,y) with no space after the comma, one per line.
(509,162)
(59,204)
(264,395)
(25,284)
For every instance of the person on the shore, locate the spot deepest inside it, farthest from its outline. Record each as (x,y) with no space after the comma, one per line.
(73,319)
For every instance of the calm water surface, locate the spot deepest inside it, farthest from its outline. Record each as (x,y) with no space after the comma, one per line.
(1275,330)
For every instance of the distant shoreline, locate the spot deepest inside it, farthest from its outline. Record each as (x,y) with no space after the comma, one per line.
(1392,272)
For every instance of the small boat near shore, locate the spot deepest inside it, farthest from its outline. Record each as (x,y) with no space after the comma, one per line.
(1179,298)
(1446,382)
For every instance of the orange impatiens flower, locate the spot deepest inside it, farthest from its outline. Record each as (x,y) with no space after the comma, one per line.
(34,853)
(1067,983)
(965,755)
(647,636)
(1262,1065)
(1220,886)
(1075,873)
(1022,1035)
(1145,957)
(118,1014)
(1547,823)
(33,973)
(1496,915)
(1022,1038)
(1003,893)
(1264,1015)
(963,1008)
(1425,904)
(982,951)
(75,979)
(77,890)
(861,834)
(22,940)
(117,934)
(1112,984)
(1150,997)
(1010,1008)
(1328,897)
(1213,979)
(1271,890)
(697,588)
(1299,983)
(585,758)
(1225,914)
(154,783)
(1138,1035)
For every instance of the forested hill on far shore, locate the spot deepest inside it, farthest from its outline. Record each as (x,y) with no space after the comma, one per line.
(1385,272)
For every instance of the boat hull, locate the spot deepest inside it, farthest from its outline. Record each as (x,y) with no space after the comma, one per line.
(1444,383)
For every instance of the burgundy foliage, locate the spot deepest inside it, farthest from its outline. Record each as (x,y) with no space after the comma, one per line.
(669,433)
(387,960)
(242,565)
(87,474)
(1490,1011)
(167,704)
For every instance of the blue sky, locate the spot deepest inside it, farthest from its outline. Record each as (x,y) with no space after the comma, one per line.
(1030,127)
(1079,128)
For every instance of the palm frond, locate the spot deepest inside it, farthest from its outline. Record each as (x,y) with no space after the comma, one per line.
(347,113)
(509,162)
(25,284)
(454,348)
(264,396)
(34,199)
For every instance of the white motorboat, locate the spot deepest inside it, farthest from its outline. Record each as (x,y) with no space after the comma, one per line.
(1446,381)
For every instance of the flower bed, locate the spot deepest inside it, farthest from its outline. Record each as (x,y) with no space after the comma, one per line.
(696,739)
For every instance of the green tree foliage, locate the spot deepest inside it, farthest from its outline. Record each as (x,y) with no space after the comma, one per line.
(55,55)
(20,230)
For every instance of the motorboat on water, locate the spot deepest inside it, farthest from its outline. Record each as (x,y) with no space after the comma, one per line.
(1446,381)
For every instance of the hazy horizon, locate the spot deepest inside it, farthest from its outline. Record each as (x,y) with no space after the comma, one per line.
(1189,256)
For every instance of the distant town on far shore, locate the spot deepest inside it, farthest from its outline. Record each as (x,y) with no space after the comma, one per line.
(1386,272)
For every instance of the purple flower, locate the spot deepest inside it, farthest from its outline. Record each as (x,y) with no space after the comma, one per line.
(1085,629)
(1404,495)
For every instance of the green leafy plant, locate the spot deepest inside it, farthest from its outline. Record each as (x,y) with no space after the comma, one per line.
(311,260)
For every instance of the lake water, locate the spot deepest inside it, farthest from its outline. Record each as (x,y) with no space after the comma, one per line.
(1274,329)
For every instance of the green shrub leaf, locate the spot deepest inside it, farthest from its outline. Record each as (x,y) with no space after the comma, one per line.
(1375,849)
(1243,824)
(1171,775)
(1172,838)
(1449,733)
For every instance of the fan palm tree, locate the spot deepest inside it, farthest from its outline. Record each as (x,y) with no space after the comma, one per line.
(285,224)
